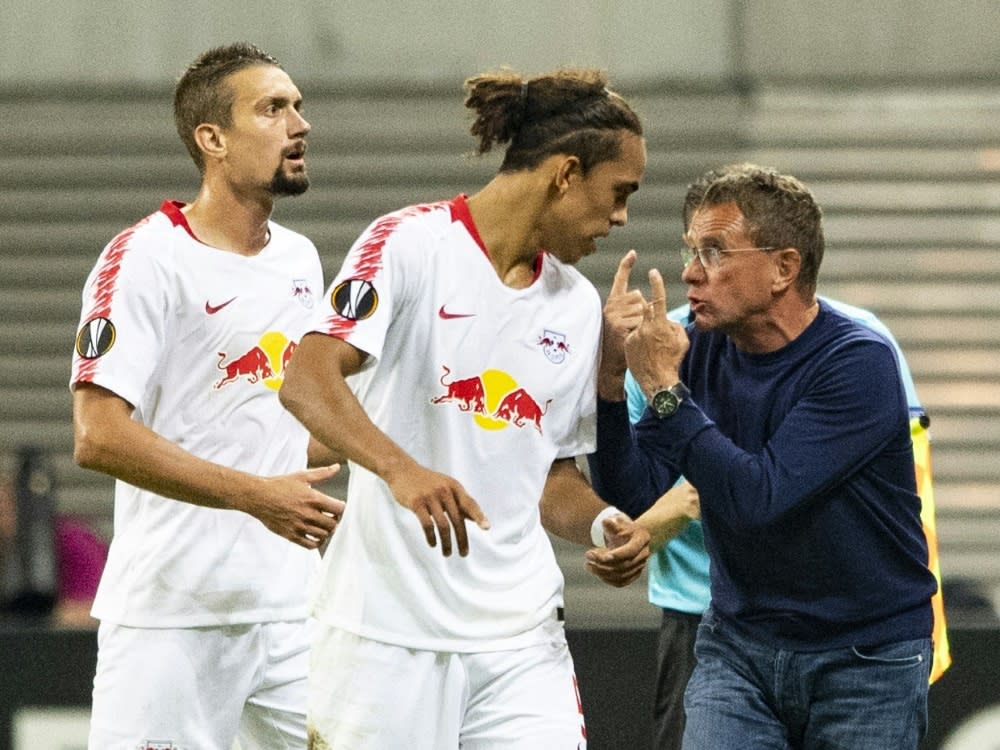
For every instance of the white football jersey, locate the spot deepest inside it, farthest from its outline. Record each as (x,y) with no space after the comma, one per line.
(477,380)
(196,339)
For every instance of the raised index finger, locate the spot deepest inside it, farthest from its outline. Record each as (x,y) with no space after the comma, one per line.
(619,285)
(659,292)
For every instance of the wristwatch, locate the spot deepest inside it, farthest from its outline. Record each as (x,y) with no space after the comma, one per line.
(665,402)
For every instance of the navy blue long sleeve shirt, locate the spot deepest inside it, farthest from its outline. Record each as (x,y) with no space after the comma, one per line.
(803,461)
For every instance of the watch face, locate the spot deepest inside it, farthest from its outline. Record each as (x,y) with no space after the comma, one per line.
(665,403)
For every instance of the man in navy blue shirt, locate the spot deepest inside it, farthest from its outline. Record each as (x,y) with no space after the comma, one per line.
(791,421)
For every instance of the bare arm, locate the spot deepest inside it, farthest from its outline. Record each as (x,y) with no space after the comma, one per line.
(670,514)
(321,455)
(108,440)
(316,392)
(569,506)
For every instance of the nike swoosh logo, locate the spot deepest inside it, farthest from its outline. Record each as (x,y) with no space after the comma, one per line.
(445,315)
(213,309)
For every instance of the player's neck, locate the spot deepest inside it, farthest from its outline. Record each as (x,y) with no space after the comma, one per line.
(505,216)
(225,220)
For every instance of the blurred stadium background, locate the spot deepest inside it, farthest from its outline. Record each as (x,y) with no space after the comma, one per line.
(890,113)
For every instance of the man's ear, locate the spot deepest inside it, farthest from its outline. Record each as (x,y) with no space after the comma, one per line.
(568,170)
(211,140)
(787,263)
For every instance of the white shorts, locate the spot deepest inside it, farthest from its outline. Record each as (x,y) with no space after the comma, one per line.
(201,688)
(367,695)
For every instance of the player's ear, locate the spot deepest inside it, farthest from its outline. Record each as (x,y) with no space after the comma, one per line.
(568,169)
(211,140)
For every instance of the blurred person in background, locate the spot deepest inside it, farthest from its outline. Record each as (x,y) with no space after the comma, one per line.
(50,562)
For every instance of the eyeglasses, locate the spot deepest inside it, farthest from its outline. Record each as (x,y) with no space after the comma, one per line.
(710,257)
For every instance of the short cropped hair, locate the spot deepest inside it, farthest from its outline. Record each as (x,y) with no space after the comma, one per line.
(203,94)
(778,209)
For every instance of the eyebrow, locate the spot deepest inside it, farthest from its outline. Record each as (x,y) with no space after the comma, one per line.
(707,239)
(280,101)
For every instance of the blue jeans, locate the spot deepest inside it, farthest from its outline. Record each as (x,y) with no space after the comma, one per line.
(744,695)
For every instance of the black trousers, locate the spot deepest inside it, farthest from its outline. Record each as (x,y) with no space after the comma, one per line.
(674,665)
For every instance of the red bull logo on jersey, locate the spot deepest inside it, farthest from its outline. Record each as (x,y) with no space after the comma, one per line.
(302,292)
(554,346)
(264,363)
(493,398)
(469,394)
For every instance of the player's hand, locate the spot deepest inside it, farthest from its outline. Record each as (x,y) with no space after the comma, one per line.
(626,554)
(441,505)
(624,310)
(655,348)
(289,506)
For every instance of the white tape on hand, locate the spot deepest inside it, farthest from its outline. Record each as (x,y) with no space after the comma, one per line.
(597,527)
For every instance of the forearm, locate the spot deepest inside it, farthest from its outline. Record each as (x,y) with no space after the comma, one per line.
(838,424)
(322,401)
(324,415)
(610,383)
(319,454)
(108,440)
(620,473)
(668,516)
(569,504)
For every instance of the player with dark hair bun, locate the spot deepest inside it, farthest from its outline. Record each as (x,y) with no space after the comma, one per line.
(568,111)
(472,346)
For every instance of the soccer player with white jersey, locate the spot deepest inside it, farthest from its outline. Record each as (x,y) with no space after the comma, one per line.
(189,319)
(459,345)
